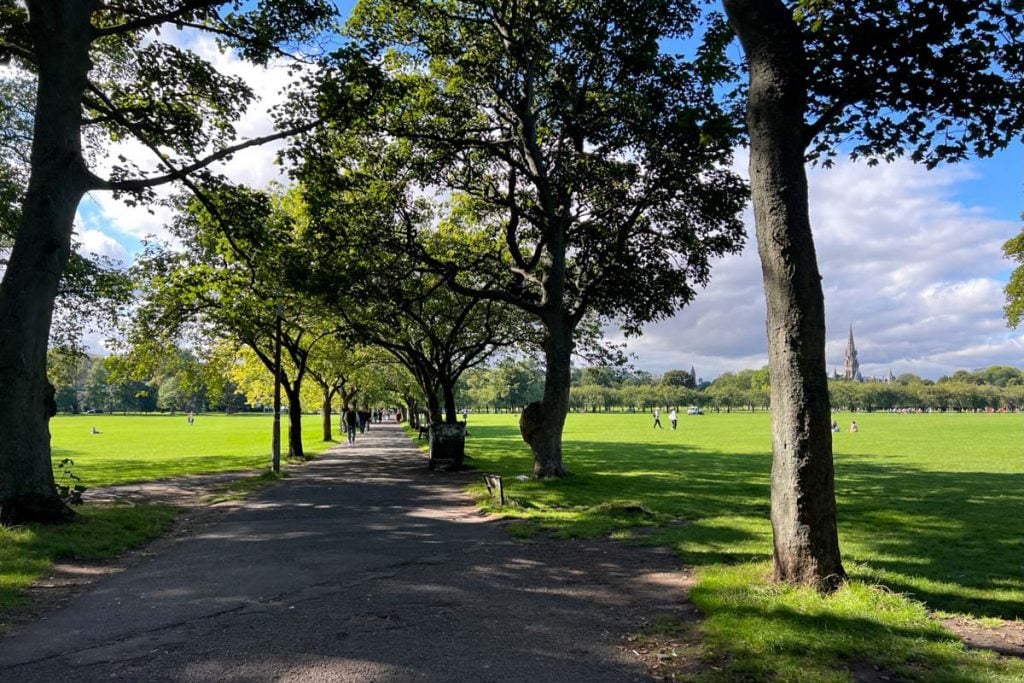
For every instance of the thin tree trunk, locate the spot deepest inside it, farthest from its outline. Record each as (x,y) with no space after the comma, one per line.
(295,449)
(542,422)
(57,183)
(325,413)
(448,394)
(803,509)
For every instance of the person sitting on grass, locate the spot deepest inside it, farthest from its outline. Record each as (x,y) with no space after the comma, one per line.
(853,426)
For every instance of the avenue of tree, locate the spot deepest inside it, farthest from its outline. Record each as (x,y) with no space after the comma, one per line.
(475,176)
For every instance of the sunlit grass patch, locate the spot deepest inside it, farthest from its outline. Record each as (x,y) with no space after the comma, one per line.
(132,448)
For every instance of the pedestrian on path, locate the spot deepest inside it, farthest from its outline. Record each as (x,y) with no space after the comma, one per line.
(350,419)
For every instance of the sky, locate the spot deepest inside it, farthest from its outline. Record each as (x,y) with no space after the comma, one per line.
(910,258)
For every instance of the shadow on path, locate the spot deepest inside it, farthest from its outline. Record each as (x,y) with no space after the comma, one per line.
(361,566)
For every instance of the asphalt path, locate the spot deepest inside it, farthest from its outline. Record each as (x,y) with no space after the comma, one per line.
(362,566)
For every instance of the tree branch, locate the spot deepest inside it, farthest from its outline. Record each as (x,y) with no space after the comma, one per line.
(151,20)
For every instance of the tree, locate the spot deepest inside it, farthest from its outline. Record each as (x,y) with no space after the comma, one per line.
(103,67)
(561,134)
(333,367)
(817,77)
(385,297)
(679,378)
(229,283)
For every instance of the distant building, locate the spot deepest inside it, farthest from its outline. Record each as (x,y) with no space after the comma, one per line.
(851,366)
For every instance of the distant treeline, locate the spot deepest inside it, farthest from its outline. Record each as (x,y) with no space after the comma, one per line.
(512,384)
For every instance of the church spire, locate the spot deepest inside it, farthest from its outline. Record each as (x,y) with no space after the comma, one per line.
(851,367)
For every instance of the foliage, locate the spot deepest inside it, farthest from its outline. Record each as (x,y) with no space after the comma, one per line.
(542,78)
(566,166)
(511,383)
(68,488)
(1014,309)
(911,101)
(387,301)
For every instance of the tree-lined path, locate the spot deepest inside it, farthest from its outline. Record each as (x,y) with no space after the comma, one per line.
(362,566)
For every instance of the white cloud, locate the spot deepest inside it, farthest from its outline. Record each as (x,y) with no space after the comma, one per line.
(99,243)
(917,274)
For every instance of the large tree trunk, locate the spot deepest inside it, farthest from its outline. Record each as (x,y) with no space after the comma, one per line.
(57,182)
(431,393)
(412,412)
(542,422)
(803,508)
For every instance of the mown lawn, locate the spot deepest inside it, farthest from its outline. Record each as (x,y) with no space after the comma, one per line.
(931,518)
(134,448)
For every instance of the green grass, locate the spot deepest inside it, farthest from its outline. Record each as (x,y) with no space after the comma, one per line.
(931,507)
(146,447)
(98,532)
(136,448)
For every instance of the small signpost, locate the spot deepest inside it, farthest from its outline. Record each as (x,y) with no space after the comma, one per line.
(493,482)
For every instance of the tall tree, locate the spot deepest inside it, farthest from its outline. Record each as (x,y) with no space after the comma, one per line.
(935,79)
(229,283)
(562,134)
(105,67)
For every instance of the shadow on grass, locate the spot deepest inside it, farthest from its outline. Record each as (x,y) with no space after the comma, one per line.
(97,532)
(129,470)
(953,540)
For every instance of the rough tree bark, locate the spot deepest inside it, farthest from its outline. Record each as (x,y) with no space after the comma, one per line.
(448,396)
(58,181)
(803,508)
(542,422)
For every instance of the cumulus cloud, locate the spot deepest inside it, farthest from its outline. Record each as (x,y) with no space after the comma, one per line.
(917,274)
(99,243)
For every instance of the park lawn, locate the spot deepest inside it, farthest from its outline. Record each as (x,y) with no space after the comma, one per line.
(931,519)
(134,448)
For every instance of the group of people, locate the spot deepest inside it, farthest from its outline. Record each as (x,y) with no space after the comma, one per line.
(673,417)
(352,420)
(853,426)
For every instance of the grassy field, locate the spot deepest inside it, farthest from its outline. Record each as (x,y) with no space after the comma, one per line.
(931,518)
(130,449)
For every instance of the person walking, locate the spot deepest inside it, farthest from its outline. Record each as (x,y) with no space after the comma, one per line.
(673,417)
(351,420)
(657,419)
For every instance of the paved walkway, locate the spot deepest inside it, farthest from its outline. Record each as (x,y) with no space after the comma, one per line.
(363,566)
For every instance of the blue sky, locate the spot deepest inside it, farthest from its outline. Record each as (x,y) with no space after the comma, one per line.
(910,258)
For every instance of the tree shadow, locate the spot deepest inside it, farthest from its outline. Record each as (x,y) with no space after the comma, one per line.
(953,540)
